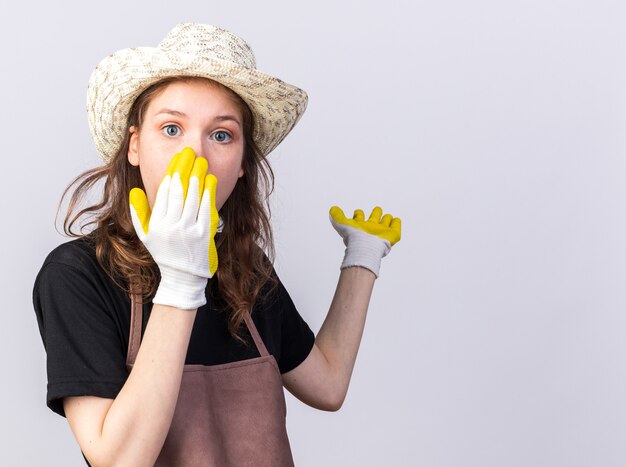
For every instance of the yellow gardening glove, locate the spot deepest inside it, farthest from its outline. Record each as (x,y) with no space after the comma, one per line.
(367,241)
(179,232)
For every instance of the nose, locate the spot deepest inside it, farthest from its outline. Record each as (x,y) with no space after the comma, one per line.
(199,148)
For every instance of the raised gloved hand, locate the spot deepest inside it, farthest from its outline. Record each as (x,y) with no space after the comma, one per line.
(179,233)
(367,241)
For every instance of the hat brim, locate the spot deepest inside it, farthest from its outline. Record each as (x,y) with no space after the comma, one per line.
(121,77)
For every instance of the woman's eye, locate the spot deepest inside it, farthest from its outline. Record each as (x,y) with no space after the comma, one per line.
(171,130)
(221,136)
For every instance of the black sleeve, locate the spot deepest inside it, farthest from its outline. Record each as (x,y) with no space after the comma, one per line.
(85,351)
(297,339)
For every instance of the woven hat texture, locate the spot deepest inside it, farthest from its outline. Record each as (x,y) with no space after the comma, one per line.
(190,50)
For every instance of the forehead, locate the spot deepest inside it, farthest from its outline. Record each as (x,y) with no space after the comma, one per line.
(195,96)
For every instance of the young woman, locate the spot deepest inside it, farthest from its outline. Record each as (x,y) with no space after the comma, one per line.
(169,337)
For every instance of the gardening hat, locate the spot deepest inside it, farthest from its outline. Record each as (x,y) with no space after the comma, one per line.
(197,50)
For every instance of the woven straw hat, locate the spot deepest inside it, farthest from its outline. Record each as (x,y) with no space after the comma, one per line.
(190,50)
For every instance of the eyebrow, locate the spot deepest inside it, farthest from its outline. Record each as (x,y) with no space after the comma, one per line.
(171,112)
(219,118)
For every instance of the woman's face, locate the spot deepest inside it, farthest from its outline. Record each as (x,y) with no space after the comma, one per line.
(198,114)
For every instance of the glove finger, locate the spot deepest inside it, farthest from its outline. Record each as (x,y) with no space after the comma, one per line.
(172,165)
(212,257)
(376,214)
(337,215)
(199,170)
(396,228)
(179,170)
(139,211)
(207,215)
(183,164)
(175,199)
(191,204)
(210,182)
(359,215)
(159,208)
(194,193)
(386,220)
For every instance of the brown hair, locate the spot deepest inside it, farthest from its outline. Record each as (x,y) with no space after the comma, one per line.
(244,269)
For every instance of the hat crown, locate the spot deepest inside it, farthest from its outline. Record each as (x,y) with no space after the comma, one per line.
(190,49)
(209,42)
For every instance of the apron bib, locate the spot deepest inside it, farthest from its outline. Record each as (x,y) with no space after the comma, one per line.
(233,414)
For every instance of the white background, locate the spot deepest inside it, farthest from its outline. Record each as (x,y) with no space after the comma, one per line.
(495,129)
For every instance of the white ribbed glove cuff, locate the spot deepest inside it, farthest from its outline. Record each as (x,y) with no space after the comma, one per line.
(365,250)
(180,289)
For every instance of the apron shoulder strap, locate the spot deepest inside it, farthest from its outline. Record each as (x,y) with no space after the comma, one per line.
(256,336)
(136,316)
